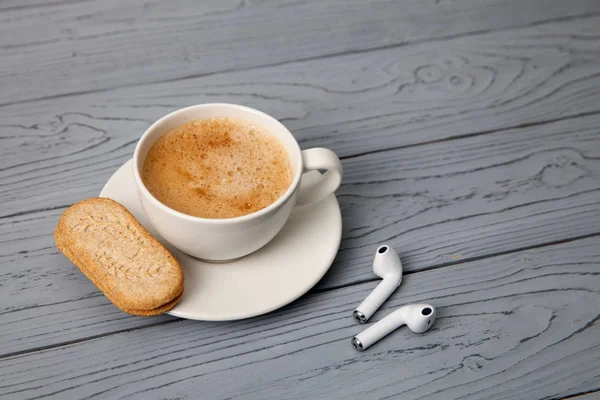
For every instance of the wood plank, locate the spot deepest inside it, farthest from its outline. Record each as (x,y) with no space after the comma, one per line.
(521,325)
(78,47)
(437,204)
(58,151)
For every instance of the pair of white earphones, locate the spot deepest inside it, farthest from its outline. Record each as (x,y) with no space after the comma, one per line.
(418,317)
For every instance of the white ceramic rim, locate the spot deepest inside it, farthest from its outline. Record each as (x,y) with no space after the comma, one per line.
(219,221)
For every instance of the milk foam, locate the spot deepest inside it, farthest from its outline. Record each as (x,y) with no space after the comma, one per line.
(217,168)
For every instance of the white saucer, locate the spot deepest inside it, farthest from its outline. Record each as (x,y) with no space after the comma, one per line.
(286,268)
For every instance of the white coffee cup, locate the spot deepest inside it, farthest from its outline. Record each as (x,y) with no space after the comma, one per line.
(231,238)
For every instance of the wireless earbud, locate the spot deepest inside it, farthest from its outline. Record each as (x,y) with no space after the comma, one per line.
(418,317)
(387,266)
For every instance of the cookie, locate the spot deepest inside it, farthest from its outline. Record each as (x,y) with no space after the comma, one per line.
(120,257)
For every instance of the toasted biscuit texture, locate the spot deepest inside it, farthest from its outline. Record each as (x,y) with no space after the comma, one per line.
(156,311)
(119,256)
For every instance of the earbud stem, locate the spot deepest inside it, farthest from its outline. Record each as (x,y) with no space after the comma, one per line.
(376,298)
(375,332)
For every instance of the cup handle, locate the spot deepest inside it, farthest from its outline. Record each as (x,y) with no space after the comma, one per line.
(315,159)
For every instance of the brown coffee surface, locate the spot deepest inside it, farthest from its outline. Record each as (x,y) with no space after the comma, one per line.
(217,168)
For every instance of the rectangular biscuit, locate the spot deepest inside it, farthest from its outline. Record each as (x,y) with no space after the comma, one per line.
(120,257)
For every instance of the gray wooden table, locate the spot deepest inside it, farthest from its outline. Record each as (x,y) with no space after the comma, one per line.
(469,131)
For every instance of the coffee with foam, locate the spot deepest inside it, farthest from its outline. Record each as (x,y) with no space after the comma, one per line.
(217,168)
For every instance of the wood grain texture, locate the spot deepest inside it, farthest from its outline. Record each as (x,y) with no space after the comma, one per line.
(78,47)
(470,198)
(56,152)
(437,204)
(517,326)
(469,132)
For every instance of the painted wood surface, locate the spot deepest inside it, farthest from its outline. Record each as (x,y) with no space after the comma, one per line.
(522,325)
(469,133)
(55,152)
(437,205)
(68,47)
